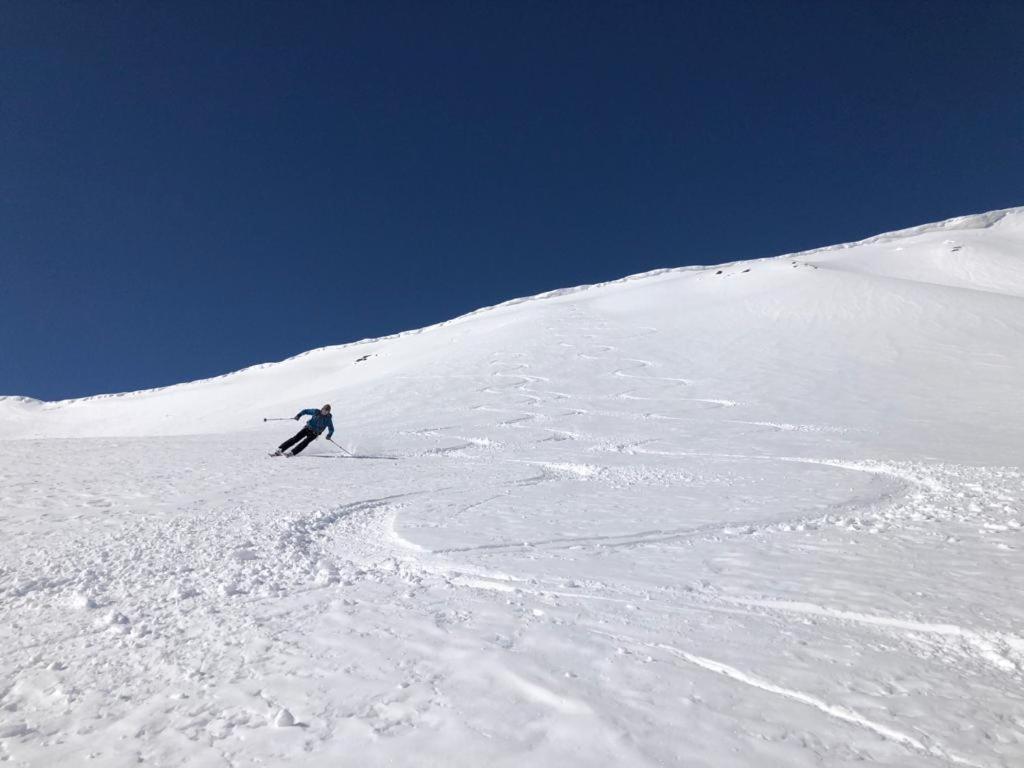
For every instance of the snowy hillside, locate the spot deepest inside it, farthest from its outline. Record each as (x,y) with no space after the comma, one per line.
(760,514)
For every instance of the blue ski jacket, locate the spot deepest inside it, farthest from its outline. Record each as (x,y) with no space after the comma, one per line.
(319,422)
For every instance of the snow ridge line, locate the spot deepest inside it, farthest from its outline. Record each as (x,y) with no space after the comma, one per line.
(969,221)
(832,710)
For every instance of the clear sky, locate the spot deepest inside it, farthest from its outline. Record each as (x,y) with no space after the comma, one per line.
(190,188)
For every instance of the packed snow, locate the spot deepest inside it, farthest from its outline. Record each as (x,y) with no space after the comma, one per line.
(757,514)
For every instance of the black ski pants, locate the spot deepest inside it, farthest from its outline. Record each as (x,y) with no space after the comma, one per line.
(303,438)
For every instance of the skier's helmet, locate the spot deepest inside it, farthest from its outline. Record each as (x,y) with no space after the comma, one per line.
(326,409)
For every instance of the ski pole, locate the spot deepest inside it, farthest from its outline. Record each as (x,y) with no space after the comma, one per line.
(279,419)
(330,440)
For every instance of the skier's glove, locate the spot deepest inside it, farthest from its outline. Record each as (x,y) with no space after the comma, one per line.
(296,418)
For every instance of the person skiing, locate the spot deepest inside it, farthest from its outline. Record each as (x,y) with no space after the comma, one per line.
(320,419)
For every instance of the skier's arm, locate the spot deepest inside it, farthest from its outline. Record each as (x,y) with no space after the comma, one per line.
(330,427)
(306,412)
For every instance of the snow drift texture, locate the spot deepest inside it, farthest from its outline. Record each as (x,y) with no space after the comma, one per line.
(764,513)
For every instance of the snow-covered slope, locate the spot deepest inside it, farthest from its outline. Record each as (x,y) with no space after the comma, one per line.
(919,328)
(765,513)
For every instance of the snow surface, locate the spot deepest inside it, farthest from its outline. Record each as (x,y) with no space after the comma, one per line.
(760,514)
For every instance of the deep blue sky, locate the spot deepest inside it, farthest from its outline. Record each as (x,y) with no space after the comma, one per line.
(190,188)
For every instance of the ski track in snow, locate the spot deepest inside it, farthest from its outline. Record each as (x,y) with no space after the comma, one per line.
(841,713)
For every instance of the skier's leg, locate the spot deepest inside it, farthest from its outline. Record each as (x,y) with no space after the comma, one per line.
(292,440)
(309,438)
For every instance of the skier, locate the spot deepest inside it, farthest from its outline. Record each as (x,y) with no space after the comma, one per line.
(320,419)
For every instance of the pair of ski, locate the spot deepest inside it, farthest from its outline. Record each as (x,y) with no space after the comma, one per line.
(290,455)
